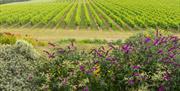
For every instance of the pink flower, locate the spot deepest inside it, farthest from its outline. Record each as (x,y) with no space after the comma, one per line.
(160,51)
(161,88)
(86,89)
(130,82)
(136,67)
(126,48)
(156,42)
(136,74)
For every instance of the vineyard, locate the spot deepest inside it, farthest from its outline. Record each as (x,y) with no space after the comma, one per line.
(93,14)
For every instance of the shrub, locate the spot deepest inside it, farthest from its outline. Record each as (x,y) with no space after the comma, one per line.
(94,41)
(143,62)
(17,66)
(7,38)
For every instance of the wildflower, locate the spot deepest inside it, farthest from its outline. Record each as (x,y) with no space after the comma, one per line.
(171,49)
(130,82)
(136,67)
(86,89)
(64,81)
(108,58)
(99,54)
(148,35)
(174,38)
(82,68)
(97,70)
(156,42)
(136,74)
(161,88)
(95,62)
(147,40)
(171,55)
(160,51)
(167,76)
(126,48)
(50,55)
(88,72)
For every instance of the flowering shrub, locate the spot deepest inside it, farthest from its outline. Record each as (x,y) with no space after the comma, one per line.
(141,63)
(17,65)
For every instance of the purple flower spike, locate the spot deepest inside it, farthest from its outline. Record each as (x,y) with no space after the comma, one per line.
(171,49)
(156,42)
(171,55)
(161,88)
(130,82)
(136,67)
(147,40)
(160,51)
(166,76)
(126,48)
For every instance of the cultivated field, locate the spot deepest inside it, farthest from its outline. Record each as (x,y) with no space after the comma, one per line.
(93,14)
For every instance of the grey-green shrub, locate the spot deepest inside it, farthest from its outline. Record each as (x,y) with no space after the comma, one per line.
(17,64)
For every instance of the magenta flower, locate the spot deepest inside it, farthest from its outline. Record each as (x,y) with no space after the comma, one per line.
(174,38)
(82,68)
(126,48)
(130,82)
(86,89)
(156,42)
(147,40)
(171,49)
(161,88)
(136,74)
(171,55)
(160,51)
(89,71)
(136,67)
(167,76)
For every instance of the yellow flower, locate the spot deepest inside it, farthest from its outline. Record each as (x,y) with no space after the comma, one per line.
(96,72)
(148,35)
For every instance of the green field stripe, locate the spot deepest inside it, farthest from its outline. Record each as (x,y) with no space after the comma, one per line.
(87,15)
(69,15)
(110,14)
(96,16)
(78,15)
(46,19)
(109,20)
(59,16)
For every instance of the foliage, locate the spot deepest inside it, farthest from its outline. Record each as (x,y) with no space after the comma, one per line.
(141,63)
(116,14)
(7,38)
(17,66)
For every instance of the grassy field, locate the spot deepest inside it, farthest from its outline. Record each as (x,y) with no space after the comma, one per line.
(54,35)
